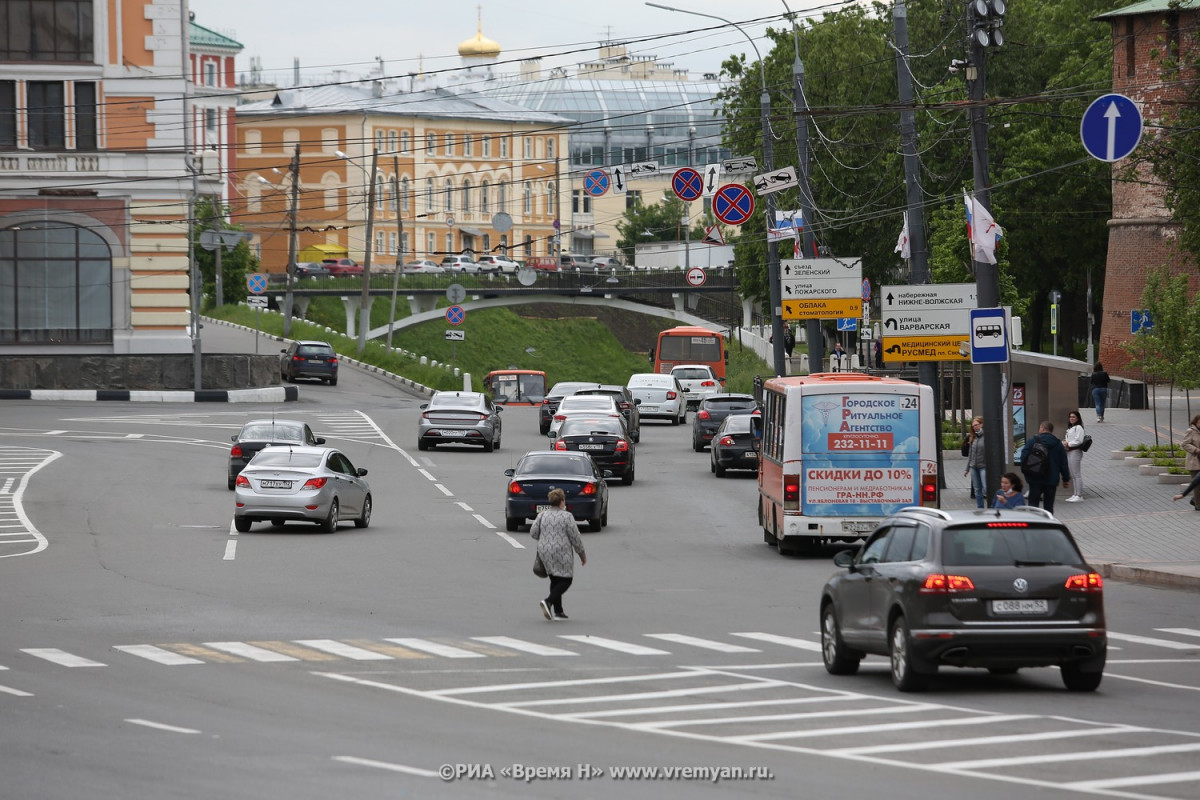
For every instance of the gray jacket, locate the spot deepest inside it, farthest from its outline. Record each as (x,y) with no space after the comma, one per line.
(975,454)
(557,535)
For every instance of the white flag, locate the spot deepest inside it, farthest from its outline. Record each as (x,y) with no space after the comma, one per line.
(984,232)
(902,246)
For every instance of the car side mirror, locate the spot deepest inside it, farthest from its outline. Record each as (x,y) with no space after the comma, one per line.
(320,440)
(637,401)
(361,472)
(284,350)
(423,406)
(552,434)
(756,426)
(500,408)
(608,473)
(844,559)
(510,472)
(233,438)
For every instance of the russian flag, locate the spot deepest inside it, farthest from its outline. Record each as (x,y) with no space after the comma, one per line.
(982,231)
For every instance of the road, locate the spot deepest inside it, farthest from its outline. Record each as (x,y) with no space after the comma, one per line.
(148,650)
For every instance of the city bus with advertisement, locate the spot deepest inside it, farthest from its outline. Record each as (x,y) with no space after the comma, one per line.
(839,452)
(690,344)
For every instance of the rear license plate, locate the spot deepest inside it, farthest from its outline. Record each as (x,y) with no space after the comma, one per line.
(750,454)
(454,434)
(316,361)
(1020,606)
(275,484)
(859,526)
(649,408)
(591,447)
(540,509)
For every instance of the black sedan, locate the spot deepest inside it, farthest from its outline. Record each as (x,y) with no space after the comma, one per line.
(712,412)
(605,439)
(539,471)
(734,446)
(999,589)
(259,433)
(553,397)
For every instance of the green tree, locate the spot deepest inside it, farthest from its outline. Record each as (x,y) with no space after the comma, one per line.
(235,263)
(661,222)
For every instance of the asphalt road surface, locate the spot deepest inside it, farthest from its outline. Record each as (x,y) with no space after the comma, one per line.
(148,650)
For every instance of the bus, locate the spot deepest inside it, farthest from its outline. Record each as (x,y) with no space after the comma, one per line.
(689,344)
(839,452)
(516,387)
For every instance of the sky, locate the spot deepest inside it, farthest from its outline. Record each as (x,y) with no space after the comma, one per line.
(410,35)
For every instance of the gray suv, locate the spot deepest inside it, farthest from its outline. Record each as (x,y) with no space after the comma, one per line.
(999,589)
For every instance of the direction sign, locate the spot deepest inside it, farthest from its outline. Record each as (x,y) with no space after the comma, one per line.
(1111,127)
(924,348)
(776,181)
(822,268)
(847,324)
(829,308)
(687,184)
(256,301)
(619,184)
(596,182)
(989,336)
(819,287)
(927,322)
(733,204)
(256,282)
(455,293)
(456,336)
(642,169)
(455,315)
(696,277)
(739,164)
(927,296)
(712,179)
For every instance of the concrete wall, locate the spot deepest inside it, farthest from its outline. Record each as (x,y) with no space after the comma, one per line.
(137,372)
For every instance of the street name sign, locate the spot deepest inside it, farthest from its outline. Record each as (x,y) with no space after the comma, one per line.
(926,322)
(820,288)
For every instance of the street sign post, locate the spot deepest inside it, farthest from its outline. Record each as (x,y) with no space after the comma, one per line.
(1140,321)
(776,181)
(455,315)
(455,293)
(456,336)
(256,282)
(739,164)
(989,336)
(619,175)
(733,204)
(820,288)
(696,276)
(258,303)
(1111,127)
(641,169)
(712,179)
(687,184)
(926,322)
(847,324)
(596,182)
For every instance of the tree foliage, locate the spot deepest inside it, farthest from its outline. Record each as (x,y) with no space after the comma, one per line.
(660,222)
(235,263)
(1170,349)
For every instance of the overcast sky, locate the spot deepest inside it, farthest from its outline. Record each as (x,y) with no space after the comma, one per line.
(411,34)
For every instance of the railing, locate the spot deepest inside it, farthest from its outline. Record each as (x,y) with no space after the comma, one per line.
(41,164)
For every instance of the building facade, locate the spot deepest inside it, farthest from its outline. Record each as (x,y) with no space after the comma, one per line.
(94,178)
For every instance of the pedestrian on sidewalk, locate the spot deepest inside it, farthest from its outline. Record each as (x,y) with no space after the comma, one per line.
(1191,487)
(976,463)
(1044,462)
(1191,460)
(1010,495)
(1073,442)
(1099,382)
(558,540)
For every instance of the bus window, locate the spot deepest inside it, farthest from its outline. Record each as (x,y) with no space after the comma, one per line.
(690,345)
(516,387)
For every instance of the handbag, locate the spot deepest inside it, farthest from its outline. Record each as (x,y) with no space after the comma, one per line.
(966,446)
(1086,444)
(539,568)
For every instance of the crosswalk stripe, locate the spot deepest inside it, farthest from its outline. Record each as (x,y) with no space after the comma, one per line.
(1179,631)
(437,649)
(613,644)
(15,692)
(249,651)
(1167,643)
(61,657)
(707,644)
(801,644)
(296,650)
(203,653)
(395,651)
(523,646)
(156,654)
(344,650)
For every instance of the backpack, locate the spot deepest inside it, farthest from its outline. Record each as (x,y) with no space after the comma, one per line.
(1037,460)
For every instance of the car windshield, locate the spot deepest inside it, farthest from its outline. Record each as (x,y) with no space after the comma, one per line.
(266,431)
(284,457)
(1006,545)
(587,427)
(468,401)
(693,374)
(729,403)
(555,465)
(580,401)
(651,382)
(315,350)
(738,423)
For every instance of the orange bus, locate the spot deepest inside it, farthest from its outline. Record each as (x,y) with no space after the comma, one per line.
(688,344)
(516,387)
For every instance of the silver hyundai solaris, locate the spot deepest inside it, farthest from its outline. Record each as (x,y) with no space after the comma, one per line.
(999,589)
(285,483)
(459,418)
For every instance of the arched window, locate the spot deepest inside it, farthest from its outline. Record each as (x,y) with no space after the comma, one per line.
(429,194)
(393,200)
(502,196)
(404,190)
(485,201)
(446,204)
(331,184)
(466,197)
(55,284)
(380,193)
(528,194)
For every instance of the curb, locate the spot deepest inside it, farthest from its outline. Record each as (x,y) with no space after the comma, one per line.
(266,394)
(1149,577)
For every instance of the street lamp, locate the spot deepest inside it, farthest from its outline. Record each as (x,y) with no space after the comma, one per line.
(364,308)
(769,165)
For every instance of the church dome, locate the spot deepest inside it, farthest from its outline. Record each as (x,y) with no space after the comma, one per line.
(479,45)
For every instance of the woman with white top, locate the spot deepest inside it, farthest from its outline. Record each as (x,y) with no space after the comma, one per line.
(1073,442)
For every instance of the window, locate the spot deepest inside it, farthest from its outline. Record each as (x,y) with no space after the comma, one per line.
(210,120)
(404,190)
(430,144)
(549,148)
(380,193)
(528,246)
(581,202)
(487,243)
(428,194)
(467,145)
(502,196)
(504,245)
(551,196)
(379,236)
(404,248)
(633,198)
(431,244)
(504,147)
(466,197)
(448,144)
(8,114)
(85,116)
(527,188)
(902,541)
(393,141)
(46,30)
(485,200)
(47,115)
(392,243)
(446,204)
(392,192)
(486,146)
(405,141)
(329,140)
(449,242)
(210,74)
(528,141)
(55,284)
(380,140)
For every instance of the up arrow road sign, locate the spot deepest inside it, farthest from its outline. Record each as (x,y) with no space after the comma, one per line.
(1111,127)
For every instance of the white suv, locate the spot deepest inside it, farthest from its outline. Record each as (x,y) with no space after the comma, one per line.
(460,264)
(499,264)
(698,382)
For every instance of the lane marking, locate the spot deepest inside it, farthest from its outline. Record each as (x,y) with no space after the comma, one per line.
(638,696)
(905,747)
(161,726)
(246,650)
(437,649)
(295,650)
(787,641)
(444,490)
(344,650)
(366,762)
(395,651)
(622,647)
(15,692)
(463,506)
(61,657)
(772,737)
(1162,684)
(633,712)
(523,646)
(510,540)
(18,507)
(426,473)
(230,550)
(156,654)
(1053,758)
(1179,631)
(707,644)
(1136,780)
(1167,643)
(516,687)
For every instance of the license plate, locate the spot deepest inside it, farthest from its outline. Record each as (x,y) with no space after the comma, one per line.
(540,509)
(862,526)
(454,434)
(649,408)
(275,484)
(591,447)
(1020,606)
(751,454)
(316,361)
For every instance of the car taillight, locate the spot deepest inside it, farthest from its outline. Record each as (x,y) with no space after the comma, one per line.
(297,358)
(1085,582)
(235,451)
(671,395)
(242,480)
(929,490)
(703,414)
(708,383)
(726,441)
(514,488)
(622,446)
(791,492)
(589,489)
(314,483)
(545,401)
(938,583)
(624,405)
(560,445)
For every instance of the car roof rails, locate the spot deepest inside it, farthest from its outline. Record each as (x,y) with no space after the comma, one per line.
(1037,510)
(933,512)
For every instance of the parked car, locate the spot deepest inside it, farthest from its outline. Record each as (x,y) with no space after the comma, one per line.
(625,404)
(577,263)
(999,589)
(605,439)
(309,359)
(712,411)
(577,405)
(422,266)
(314,484)
(459,264)
(544,263)
(661,395)
(539,471)
(735,445)
(260,433)
(553,397)
(698,382)
(497,264)
(342,267)
(310,269)
(459,418)
(607,262)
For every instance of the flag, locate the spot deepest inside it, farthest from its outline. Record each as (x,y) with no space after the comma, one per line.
(982,231)
(902,243)
(788,225)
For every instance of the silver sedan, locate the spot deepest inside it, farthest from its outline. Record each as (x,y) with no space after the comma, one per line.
(313,484)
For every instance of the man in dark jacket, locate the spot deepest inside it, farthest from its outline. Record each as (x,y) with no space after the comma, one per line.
(1042,488)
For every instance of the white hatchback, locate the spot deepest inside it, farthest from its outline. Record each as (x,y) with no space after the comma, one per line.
(698,382)
(659,396)
(592,405)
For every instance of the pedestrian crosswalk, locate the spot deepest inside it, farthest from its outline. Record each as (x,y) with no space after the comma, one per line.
(742,644)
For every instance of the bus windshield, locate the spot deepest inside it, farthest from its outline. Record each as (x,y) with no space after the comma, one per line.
(689,345)
(513,388)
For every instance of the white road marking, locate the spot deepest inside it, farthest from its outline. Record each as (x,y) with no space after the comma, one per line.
(707,644)
(613,644)
(344,650)
(15,692)
(1053,758)
(484,522)
(17,509)
(510,540)
(639,696)
(61,657)
(444,490)
(1167,643)
(230,550)
(157,654)
(366,762)
(249,651)
(516,687)
(426,473)
(437,649)
(938,722)
(8,484)
(905,747)
(463,506)
(779,735)
(1136,780)
(523,646)
(1179,631)
(161,726)
(788,641)
(1163,684)
(632,712)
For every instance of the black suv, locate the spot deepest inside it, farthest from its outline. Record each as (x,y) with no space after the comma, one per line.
(712,411)
(309,360)
(553,397)
(625,402)
(1000,589)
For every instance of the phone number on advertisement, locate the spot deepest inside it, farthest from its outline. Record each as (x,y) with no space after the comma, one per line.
(860,441)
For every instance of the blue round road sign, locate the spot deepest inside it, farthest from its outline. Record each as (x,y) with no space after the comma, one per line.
(687,184)
(455,315)
(256,282)
(1111,127)
(733,204)
(595,182)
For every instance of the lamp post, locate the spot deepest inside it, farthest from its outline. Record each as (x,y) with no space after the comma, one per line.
(778,353)
(364,309)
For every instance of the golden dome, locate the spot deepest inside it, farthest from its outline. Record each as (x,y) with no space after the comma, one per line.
(479,45)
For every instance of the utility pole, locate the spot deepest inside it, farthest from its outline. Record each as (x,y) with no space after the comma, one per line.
(189,160)
(218,225)
(927,372)
(288,299)
(399,245)
(364,301)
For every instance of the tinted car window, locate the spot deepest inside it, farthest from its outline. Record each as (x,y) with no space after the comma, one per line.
(551,464)
(691,374)
(315,350)
(276,433)
(280,457)
(729,403)
(740,423)
(901,542)
(984,546)
(456,401)
(920,546)
(873,552)
(582,427)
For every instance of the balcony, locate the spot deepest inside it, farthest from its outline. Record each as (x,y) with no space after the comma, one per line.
(43,163)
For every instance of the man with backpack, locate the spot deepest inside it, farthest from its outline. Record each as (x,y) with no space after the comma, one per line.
(1044,463)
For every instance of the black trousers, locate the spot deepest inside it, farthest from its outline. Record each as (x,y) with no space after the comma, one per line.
(1043,492)
(558,587)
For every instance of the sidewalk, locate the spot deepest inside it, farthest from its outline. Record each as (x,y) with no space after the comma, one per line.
(1126,525)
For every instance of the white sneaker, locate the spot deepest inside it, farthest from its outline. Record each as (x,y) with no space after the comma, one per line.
(1074,499)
